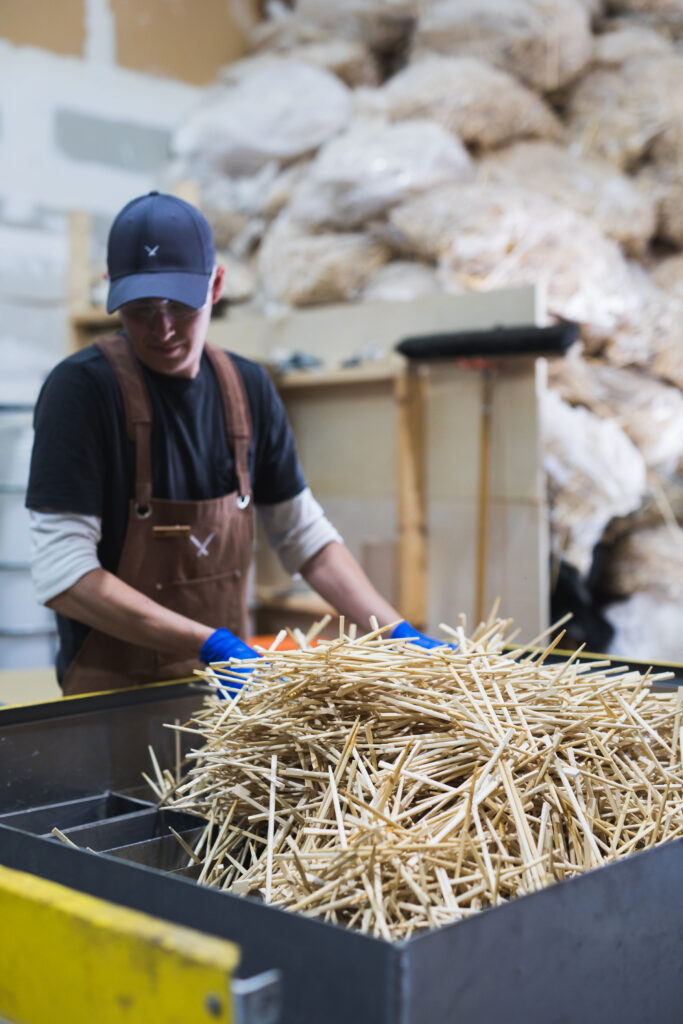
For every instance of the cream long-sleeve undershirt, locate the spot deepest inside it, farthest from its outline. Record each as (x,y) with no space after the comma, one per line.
(64,544)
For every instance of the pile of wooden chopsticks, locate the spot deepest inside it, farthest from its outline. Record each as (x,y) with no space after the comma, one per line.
(388,788)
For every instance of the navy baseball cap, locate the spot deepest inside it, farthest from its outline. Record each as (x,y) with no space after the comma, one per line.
(159,247)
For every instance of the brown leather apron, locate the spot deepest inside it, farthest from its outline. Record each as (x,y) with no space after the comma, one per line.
(190,556)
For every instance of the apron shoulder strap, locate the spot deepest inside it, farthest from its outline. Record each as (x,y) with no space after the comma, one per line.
(237,417)
(138,411)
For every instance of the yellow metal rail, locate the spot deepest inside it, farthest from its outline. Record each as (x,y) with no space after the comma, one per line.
(71,957)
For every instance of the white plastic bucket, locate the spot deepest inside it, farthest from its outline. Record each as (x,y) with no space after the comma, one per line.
(15,538)
(30,650)
(16,441)
(27,630)
(19,609)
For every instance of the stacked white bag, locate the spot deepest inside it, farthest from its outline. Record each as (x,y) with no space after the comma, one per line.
(388,148)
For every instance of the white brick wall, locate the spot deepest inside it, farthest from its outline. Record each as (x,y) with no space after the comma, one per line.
(39,185)
(35,84)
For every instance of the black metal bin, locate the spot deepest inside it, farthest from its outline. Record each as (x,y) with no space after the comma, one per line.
(604,947)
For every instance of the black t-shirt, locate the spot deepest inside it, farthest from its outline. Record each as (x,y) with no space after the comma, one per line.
(83,462)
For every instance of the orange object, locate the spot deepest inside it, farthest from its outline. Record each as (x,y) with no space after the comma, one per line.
(286,644)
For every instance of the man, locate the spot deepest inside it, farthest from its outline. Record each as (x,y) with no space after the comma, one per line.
(151,451)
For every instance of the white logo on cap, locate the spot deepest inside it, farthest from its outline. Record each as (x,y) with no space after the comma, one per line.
(152,252)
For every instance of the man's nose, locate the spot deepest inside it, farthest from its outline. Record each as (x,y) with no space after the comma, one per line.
(163,324)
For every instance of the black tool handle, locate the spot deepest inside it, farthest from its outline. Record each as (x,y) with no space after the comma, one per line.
(498,341)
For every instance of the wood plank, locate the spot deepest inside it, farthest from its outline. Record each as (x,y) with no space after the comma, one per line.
(410,468)
(191,42)
(28,685)
(485,417)
(368,373)
(80,231)
(510,533)
(337,332)
(37,23)
(307,603)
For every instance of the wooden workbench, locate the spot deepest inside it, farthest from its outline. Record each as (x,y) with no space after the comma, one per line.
(28,685)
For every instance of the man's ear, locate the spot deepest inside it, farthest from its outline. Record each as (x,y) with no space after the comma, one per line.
(217,286)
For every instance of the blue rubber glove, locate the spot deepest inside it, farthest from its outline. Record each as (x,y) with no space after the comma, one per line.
(222,646)
(405,631)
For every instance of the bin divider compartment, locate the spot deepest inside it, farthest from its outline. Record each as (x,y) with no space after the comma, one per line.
(128,829)
(163,853)
(68,814)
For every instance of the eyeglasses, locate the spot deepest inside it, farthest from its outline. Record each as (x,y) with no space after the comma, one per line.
(146,310)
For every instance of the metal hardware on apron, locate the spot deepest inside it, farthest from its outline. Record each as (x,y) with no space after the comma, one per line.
(190,556)
(170,531)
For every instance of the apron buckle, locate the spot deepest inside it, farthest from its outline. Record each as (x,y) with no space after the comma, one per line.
(243,500)
(143,511)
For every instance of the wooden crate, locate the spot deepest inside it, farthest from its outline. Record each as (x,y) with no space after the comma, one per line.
(396,455)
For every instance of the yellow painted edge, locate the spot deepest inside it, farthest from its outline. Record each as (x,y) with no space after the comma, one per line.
(98,693)
(69,956)
(30,703)
(614,659)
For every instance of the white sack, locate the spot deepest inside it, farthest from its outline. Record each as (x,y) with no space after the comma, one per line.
(373,166)
(664,186)
(624,41)
(647,627)
(238,209)
(280,30)
(663,503)
(649,411)
(279,111)
(670,211)
(594,473)
(666,151)
(617,114)
(648,335)
(482,105)
(545,43)
(666,10)
(229,205)
(303,270)
(649,559)
(668,275)
(593,188)
(400,281)
(239,283)
(229,226)
(668,359)
(493,236)
(384,24)
(348,59)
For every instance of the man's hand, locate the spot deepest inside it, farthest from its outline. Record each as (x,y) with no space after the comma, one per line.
(405,631)
(224,645)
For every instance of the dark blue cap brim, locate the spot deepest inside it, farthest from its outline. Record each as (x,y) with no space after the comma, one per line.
(191,289)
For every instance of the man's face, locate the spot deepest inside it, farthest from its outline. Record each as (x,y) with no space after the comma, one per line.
(169,337)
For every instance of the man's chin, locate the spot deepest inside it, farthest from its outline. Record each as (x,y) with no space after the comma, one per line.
(163,356)
(167,348)
(172,359)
